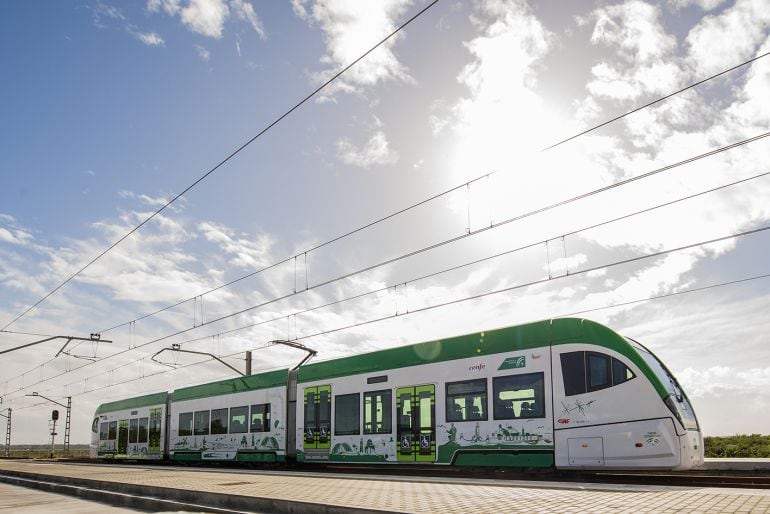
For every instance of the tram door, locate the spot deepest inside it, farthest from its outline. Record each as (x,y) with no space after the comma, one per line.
(123,437)
(318,410)
(416,410)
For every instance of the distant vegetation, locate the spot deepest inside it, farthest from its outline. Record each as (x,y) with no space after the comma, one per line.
(42,451)
(754,445)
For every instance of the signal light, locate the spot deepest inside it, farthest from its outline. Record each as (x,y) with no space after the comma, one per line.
(54,414)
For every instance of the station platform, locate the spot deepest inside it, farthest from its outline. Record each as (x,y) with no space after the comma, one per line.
(227,490)
(22,500)
(735,465)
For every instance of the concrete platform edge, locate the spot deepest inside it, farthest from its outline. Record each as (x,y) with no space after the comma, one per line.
(153,498)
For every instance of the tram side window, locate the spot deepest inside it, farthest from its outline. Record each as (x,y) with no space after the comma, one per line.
(519,396)
(238,416)
(103,431)
(598,372)
(219,421)
(133,430)
(142,438)
(347,414)
(112,432)
(185,424)
(378,412)
(620,372)
(260,418)
(466,401)
(201,423)
(592,371)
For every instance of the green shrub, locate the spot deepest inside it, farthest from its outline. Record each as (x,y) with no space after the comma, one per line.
(741,446)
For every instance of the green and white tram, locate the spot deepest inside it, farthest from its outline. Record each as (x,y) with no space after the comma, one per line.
(564,393)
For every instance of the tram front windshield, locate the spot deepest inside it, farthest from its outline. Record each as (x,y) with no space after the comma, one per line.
(677,400)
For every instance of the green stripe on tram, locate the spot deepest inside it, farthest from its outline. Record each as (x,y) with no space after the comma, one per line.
(133,403)
(232,386)
(505,340)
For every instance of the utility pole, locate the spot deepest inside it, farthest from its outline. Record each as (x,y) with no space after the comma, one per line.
(7,431)
(67,421)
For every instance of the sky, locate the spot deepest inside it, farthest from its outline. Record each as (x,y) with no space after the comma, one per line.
(110,109)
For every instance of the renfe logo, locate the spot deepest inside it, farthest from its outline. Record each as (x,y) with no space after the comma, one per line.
(477,367)
(513,362)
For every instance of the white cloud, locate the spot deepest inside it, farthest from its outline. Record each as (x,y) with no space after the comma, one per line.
(562,265)
(152,201)
(501,80)
(203,53)
(724,380)
(247,253)
(149,39)
(208,17)
(634,30)
(350,28)
(245,11)
(377,151)
(706,5)
(102,12)
(724,40)
(205,17)
(7,237)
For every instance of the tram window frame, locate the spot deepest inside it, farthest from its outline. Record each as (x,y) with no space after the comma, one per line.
(185,427)
(598,371)
(371,400)
(526,381)
(262,411)
(620,368)
(239,419)
(133,430)
(347,414)
(220,418)
(573,372)
(576,372)
(455,391)
(103,430)
(112,431)
(142,432)
(201,422)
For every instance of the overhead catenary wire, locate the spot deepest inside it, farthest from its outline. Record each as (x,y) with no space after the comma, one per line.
(436,196)
(431,275)
(454,239)
(483,176)
(508,289)
(226,159)
(595,127)
(479,261)
(493,226)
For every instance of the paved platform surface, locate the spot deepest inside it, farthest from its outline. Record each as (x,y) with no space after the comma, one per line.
(23,500)
(736,464)
(406,495)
